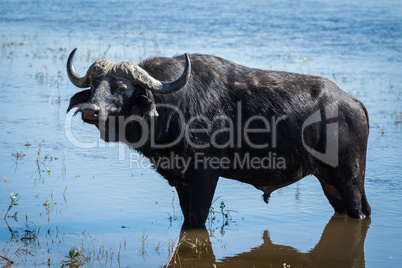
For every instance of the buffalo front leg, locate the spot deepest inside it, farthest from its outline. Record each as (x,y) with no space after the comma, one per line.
(184,198)
(196,198)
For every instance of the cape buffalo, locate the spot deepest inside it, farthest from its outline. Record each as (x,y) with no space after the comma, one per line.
(201,117)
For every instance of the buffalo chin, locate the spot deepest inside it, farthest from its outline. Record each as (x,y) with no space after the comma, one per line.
(92,122)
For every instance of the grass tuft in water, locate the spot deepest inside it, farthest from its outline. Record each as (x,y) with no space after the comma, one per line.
(213,220)
(75,258)
(14,199)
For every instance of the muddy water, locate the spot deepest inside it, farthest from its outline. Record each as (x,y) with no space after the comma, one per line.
(106,206)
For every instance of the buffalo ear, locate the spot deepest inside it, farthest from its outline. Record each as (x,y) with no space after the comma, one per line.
(144,106)
(80,97)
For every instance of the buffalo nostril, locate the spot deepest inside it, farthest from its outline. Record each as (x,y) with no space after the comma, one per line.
(90,112)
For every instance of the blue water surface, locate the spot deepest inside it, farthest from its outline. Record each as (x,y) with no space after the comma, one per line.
(75,191)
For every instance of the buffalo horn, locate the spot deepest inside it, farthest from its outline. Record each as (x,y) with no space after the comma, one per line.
(139,76)
(75,78)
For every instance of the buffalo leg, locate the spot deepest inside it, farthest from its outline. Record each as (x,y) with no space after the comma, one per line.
(202,185)
(344,188)
(355,200)
(333,196)
(184,198)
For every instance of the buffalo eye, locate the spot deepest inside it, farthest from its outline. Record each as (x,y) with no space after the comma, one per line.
(94,83)
(121,89)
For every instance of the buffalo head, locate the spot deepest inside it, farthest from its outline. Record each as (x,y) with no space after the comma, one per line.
(118,89)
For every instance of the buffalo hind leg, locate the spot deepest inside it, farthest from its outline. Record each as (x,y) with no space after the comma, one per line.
(345,192)
(333,196)
(355,201)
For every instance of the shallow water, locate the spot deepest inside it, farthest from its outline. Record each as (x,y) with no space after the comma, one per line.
(75,191)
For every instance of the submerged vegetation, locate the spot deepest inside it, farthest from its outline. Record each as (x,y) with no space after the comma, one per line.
(27,241)
(219,219)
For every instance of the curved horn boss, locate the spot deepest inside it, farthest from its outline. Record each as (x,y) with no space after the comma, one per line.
(139,76)
(129,70)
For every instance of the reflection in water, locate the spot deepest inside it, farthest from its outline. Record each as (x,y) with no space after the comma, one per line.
(341,245)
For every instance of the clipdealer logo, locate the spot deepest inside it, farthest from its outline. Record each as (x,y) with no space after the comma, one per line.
(326,117)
